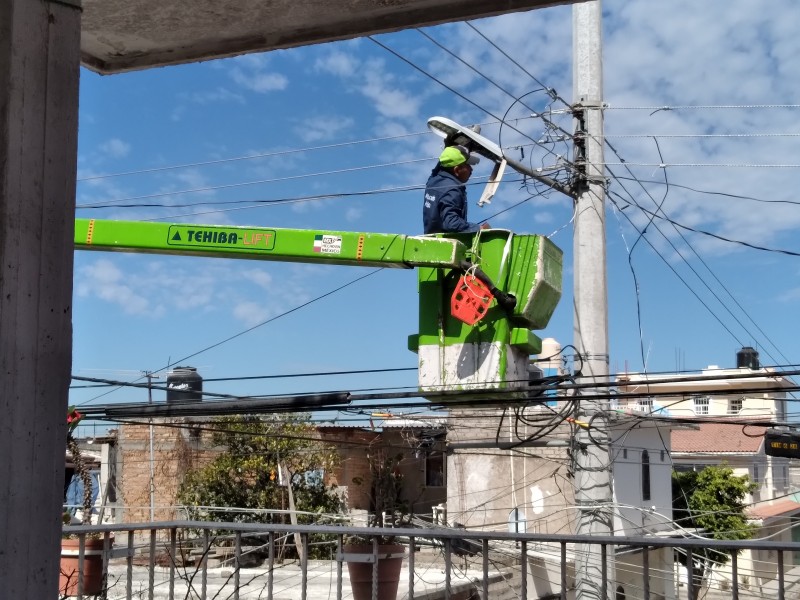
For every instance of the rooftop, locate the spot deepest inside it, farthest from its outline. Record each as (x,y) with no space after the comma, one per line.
(719,438)
(773,509)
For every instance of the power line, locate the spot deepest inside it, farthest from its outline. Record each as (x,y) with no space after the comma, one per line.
(452,90)
(275,153)
(698,135)
(709,192)
(701,107)
(694,251)
(550,91)
(206,163)
(719,237)
(261,181)
(718,165)
(254,377)
(261,324)
(652,216)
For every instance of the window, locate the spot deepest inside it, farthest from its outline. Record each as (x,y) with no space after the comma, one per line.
(645,405)
(434,469)
(645,475)
(735,405)
(701,405)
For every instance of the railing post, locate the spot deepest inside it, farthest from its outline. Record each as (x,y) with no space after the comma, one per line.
(237,553)
(303,566)
(106,555)
(646,572)
(524,570)
(152,561)
(563,570)
(204,564)
(339,551)
(129,567)
(604,569)
(374,568)
(271,574)
(411,542)
(448,563)
(485,552)
(735,574)
(173,551)
(81,559)
(689,575)
(781,583)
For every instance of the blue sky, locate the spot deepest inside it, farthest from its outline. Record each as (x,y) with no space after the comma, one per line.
(351,117)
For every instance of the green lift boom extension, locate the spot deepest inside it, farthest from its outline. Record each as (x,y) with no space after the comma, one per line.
(522,271)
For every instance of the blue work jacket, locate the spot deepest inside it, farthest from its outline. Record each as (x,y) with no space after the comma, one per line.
(445,207)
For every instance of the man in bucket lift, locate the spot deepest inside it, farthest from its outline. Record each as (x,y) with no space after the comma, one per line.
(445,206)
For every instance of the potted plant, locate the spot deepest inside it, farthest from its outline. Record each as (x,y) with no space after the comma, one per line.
(386,509)
(93,545)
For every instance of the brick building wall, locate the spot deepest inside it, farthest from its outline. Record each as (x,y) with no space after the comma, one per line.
(176,450)
(353,445)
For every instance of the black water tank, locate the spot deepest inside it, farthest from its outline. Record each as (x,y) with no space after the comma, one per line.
(184,384)
(747,357)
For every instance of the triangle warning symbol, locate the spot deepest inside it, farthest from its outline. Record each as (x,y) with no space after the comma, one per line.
(176,237)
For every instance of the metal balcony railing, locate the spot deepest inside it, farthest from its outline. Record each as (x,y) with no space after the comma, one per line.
(213,560)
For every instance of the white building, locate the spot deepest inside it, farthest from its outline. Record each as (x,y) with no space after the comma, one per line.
(748,393)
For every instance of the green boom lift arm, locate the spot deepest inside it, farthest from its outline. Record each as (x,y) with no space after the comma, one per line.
(492,352)
(265,243)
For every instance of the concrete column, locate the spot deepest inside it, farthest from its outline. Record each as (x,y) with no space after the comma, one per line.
(594,494)
(39,68)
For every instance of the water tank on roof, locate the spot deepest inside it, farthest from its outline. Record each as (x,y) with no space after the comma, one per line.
(551,358)
(747,357)
(184,384)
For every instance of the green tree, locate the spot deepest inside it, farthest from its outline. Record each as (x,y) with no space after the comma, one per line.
(713,501)
(245,475)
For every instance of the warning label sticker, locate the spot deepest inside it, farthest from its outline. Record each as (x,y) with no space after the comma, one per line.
(328,244)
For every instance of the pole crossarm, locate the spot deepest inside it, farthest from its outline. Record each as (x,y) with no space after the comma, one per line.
(272,244)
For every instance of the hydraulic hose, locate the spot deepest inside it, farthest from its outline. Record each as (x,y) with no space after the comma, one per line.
(506,301)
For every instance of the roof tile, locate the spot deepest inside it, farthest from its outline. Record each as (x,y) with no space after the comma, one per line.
(718,438)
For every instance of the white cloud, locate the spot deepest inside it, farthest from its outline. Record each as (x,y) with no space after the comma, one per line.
(389,98)
(115,148)
(250,313)
(260,82)
(259,277)
(220,94)
(167,286)
(322,128)
(353,214)
(341,64)
(102,279)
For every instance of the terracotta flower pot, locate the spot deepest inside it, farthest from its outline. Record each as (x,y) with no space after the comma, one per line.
(388,570)
(92,566)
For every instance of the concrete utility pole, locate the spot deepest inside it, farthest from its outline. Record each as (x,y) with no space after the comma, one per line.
(593,489)
(39,68)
